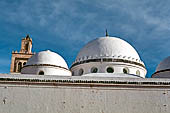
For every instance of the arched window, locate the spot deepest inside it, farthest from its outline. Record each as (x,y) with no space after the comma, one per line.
(94,70)
(81,71)
(110,70)
(41,73)
(126,70)
(19,66)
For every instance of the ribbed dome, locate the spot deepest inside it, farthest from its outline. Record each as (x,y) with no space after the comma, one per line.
(165,64)
(47,57)
(108,47)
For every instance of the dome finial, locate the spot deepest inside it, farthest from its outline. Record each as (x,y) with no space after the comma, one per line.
(107,33)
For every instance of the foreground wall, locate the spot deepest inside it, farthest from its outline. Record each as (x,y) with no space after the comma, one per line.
(69,97)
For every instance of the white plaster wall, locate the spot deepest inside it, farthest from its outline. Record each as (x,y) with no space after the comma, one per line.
(70,99)
(102,66)
(48,70)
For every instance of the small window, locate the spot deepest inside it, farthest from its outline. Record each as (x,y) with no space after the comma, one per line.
(94,70)
(110,70)
(81,71)
(41,73)
(24,63)
(125,70)
(137,72)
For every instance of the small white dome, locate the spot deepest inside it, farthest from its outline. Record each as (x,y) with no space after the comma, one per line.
(108,47)
(47,57)
(46,63)
(165,64)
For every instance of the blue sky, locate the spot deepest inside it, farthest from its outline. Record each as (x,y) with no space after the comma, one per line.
(65,26)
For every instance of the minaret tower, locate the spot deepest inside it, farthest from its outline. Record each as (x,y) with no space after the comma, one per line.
(20,58)
(26,45)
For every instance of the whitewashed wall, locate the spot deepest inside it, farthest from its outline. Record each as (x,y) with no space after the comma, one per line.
(83,99)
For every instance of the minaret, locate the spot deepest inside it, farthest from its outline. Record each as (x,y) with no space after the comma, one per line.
(19,59)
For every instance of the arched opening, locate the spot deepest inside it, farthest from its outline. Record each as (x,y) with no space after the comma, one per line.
(19,66)
(41,73)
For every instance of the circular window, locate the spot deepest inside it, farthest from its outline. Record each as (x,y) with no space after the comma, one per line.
(110,70)
(41,73)
(94,70)
(81,71)
(137,72)
(125,70)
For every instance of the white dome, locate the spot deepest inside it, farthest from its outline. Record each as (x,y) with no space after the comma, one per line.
(108,47)
(47,57)
(165,64)
(108,55)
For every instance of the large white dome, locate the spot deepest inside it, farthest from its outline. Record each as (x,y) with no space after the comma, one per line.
(165,64)
(108,55)
(47,57)
(108,47)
